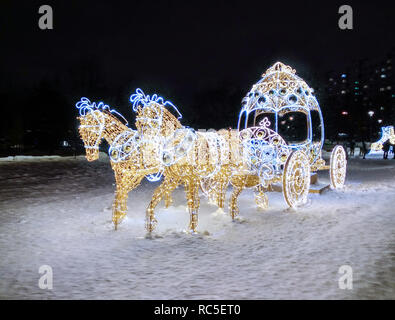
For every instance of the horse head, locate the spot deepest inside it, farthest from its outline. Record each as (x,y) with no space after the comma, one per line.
(91,127)
(94,120)
(153,116)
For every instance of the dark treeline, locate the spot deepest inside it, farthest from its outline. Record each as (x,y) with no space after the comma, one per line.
(41,118)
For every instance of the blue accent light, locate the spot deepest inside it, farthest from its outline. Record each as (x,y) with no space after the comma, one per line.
(85,106)
(140,98)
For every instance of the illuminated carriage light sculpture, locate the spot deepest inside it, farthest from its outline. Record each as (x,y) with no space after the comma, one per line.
(279,92)
(387,133)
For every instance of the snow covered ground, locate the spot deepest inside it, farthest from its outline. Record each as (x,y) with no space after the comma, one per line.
(57,212)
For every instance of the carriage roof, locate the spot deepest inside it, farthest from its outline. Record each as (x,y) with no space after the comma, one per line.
(279,91)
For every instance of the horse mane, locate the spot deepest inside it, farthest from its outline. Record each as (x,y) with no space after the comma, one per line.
(170,122)
(139,99)
(85,106)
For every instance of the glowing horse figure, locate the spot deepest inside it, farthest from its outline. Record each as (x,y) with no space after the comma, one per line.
(387,133)
(130,165)
(186,156)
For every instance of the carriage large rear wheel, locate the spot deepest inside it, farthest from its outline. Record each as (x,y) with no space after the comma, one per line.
(338,167)
(296,179)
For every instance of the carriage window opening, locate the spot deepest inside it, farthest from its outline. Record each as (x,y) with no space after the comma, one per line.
(293,127)
(316,125)
(250,122)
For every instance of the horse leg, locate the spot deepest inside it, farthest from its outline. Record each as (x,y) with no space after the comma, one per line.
(261,198)
(168,192)
(120,208)
(222,193)
(234,209)
(224,182)
(159,192)
(238,183)
(192,191)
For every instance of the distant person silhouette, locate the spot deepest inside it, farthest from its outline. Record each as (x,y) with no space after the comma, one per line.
(393,150)
(386,148)
(352,148)
(364,149)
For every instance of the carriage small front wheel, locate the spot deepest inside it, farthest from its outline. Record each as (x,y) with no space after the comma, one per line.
(296,179)
(337,167)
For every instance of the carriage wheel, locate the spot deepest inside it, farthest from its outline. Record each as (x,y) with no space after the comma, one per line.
(296,179)
(338,166)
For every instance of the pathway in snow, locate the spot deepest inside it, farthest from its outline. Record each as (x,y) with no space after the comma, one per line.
(57,211)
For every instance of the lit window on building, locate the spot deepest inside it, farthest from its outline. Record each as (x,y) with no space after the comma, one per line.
(381,108)
(381,89)
(389,88)
(343,91)
(344,75)
(382,69)
(330,79)
(365,86)
(383,76)
(344,80)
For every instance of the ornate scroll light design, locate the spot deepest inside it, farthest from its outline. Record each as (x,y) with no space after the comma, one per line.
(97,122)
(387,133)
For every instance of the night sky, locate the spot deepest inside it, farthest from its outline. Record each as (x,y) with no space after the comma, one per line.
(181,49)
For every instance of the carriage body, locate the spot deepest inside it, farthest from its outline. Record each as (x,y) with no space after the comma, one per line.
(281,121)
